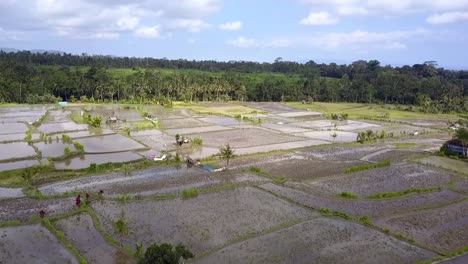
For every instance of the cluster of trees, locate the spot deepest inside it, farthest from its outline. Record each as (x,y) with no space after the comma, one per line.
(27,77)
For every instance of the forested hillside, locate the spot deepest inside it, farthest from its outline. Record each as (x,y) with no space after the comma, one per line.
(27,77)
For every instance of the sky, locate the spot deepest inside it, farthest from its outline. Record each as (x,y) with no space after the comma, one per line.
(396,32)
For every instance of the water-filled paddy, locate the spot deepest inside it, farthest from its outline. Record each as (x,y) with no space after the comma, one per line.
(16,150)
(7,166)
(12,128)
(222,121)
(109,143)
(84,161)
(341,136)
(12,137)
(32,244)
(53,149)
(61,127)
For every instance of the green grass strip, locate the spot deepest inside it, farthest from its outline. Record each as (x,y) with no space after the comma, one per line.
(405,192)
(368,166)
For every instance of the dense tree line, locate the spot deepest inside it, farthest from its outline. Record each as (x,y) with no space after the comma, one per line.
(27,77)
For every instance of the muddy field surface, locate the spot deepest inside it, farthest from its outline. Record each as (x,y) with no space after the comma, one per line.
(221,121)
(25,208)
(272,107)
(445,228)
(195,130)
(241,138)
(283,128)
(32,244)
(394,155)
(177,185)
(80,230)
(109,181)
(332,241)
(8,193)
(457,260)
(307,169)
(341,136)
(388,179)
(203,222)
(372,208)
(182,123)
(341,153)
(446,163)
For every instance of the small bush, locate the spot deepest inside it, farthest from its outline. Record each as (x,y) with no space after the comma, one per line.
(79,146)
(165,254)
(66,138)
(348,195)
(67,151)
(197,141)
(190,193)
(92,167)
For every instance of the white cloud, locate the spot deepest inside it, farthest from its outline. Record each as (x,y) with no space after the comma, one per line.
(105,18)
(148,32)
(452,10)
(319,19)
(192,25)
(357,40)
(361,39)
(243,42)
(231,26)
(128,22)
(449,17)
(191,41)
(11,35)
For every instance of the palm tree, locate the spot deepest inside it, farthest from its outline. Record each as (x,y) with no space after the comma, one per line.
(226,153)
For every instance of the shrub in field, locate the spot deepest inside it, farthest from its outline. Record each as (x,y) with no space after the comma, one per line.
(165,254)
(197,141)
(190,193)
(79,146)
(67,151)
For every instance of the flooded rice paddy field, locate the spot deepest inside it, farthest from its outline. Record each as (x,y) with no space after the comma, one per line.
(16,150)
(395,178)
(81,231)
(32,244)
(266,202)
(109,143)
(331,241)
(202,223)
(444,228)
(54,148)
(85,160)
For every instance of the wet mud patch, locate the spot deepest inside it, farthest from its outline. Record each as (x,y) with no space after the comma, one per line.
(370,208)
(445,228)
(395,178)
(80,230)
